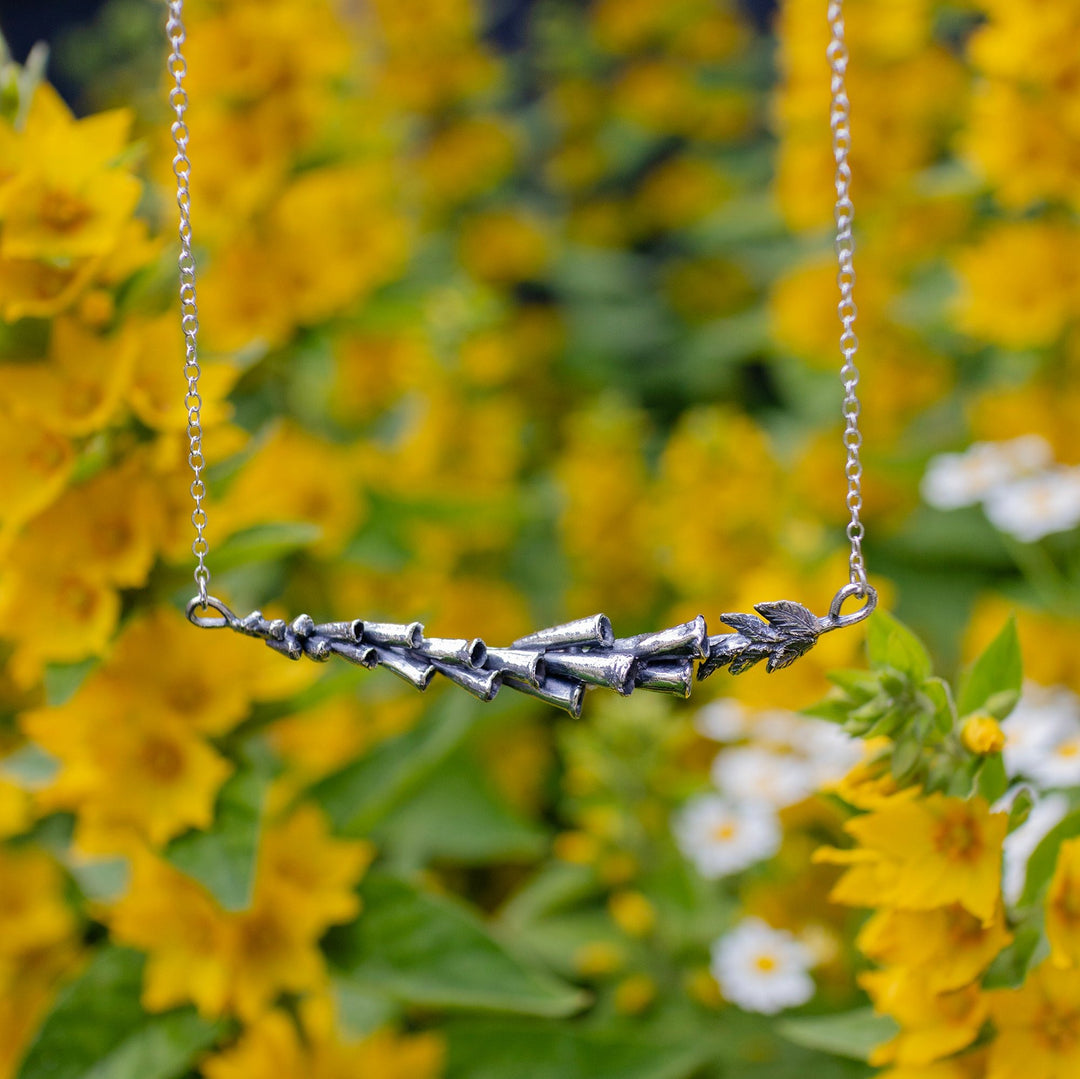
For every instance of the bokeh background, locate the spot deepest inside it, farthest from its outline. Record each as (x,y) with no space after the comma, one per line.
(509,313)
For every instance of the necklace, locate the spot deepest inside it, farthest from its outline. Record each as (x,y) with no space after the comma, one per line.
(555,664)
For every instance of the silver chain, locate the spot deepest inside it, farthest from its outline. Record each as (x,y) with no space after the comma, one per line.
(189,310)
(844,214)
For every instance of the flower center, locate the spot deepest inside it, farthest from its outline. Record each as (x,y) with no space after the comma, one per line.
(724,833)
(957,836)
(62,211)
(1060,1031)
(766,964)
(162,759)
(79,599)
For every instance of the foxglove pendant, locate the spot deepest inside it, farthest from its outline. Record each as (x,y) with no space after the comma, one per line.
(556,664)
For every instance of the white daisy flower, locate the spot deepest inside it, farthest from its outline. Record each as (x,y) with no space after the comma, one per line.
(831,752)
(962,479)
(779,728)
(722,837)
(723,721)
(1031,508)
(753,774)
(1060,766)
(1020,845)
(762,969)
(1043,718)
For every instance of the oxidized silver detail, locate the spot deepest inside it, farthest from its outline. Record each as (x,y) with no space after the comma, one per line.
(556,664)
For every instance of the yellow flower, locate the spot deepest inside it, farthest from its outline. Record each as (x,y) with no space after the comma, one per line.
(598,958)
(634,994)
(803,312)
(632,913)
(323,222)
(310,874)
(969,1066)
(117,538)
(295,476)
(126,771)
(1022,142)
(947,948)
(504,246)
(239,962)
(186,934)
(982,735)
(468,157)
(39,463)
(679,192)
(15,808)
(736,524)
(1063,907)
(1019,283)
(602,476)
(30,289)
(1038,1027)
(922,853)
(63,614)
(933,1025)
(274,1048)
(320,739)
(33,913)
(156,387)
(78,389)
(65,202)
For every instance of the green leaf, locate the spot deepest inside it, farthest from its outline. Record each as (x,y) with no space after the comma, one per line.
(362,793)
(491,1049)
(361,1010)
(889,643)
(458,816)
(265,543)
(98,1030)
(1041,864)
(1010,967)
(62,680)
(990,780)
(29,766)
(852,1034)
(940,697)
(223,857)
(431,951)
(998,670)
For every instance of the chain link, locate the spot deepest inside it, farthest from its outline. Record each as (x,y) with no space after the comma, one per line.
(844,214)
(189,310)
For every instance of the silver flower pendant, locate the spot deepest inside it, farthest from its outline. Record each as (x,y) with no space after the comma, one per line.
(559,663)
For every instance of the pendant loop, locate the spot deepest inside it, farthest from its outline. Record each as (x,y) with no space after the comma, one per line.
(202,603)
(837,620)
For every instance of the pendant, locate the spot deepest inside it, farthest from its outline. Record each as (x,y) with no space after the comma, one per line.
(556,664)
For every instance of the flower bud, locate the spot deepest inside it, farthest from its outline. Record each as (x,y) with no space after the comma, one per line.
(982,735)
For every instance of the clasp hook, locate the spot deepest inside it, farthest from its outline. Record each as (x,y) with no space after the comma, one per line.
(227,619)
(839,621)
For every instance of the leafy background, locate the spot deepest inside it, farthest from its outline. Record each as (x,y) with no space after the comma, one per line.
(509,314)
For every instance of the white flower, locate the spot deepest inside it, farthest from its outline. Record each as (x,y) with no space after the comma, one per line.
(753,774)
(1020,845)
(1060,766)
(962,479)
(831,752)
(762,969)
(1036,506)
(722,837)
(1043,719)
(723,721)
(781,729)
